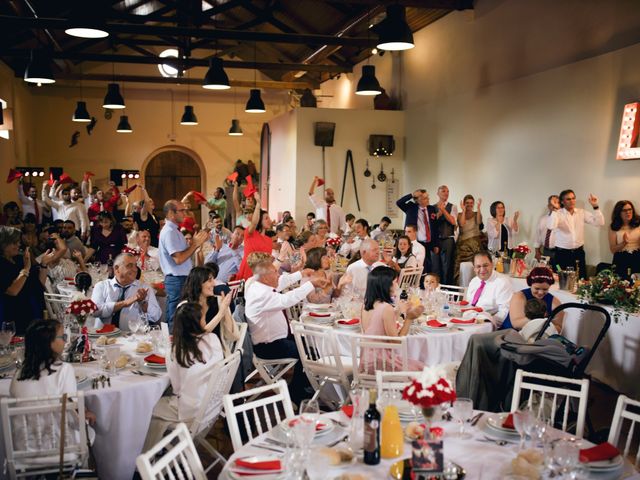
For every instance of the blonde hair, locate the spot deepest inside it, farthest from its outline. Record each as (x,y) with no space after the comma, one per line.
(257,258)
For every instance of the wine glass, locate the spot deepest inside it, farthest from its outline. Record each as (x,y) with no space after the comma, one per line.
(113,352)
(305,428)
(7,331)
(134,325)
(522,420)
(566,455)
(462,412)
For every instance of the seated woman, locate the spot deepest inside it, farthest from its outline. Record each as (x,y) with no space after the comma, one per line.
(60,267)
(624,239)
(539,280)
(318,261)
(404,257)
(379,316)
(193,350)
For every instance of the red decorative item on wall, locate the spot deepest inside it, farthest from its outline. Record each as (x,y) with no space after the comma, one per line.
(629,132)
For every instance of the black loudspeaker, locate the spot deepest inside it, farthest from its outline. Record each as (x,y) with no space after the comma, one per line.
(381,145)
(324,134)
(56,171)
(115,175)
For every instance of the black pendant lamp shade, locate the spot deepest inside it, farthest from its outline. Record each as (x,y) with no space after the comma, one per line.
(255,103)
(236,129)
(368,83)
(39,69)
(81,114)
(394,32)
(189,117)
(216,78)
(123,125)
(113,99)
(86,19)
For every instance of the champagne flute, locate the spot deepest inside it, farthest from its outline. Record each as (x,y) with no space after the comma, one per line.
(7,331)
(309,414)
(522,422)
(462,412)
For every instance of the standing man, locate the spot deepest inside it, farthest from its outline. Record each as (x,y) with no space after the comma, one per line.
(419,213)
(568,224)
(327,209)
(30,202)
(66,208)
(446,225)
(545,241)
(175,254)
(218,204)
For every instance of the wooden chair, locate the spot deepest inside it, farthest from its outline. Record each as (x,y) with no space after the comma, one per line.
(258,416)
(410,277)
(370,353)
(56,304)
(621,414)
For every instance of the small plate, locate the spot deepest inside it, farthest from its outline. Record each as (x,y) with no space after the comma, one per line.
(155,366)
(495,421)
(318,307)
(605,465)
(93,333)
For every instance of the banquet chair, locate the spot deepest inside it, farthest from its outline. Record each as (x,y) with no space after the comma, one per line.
(272,370)
(370,353)
(242,329)
(409,277)
(622,413)
(561,392)
(294,312)
(322,362)
(56,304)
(234,287)
(31,433)
(258,416)
(180,460)
(393,381)
(454,293)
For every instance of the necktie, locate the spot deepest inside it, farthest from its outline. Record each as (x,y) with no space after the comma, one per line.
(329,216)
(476,297)
(547,239)
(426,225)
(143,256)
(36,209)
(115,320)
(101,207)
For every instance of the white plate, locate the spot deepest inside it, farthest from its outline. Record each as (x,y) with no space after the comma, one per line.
(463,325)
(94,333)
(334,435)
(81,379)
(495,421)
(606,465)
(5,364)
(329,426)
(155,366)
(318,307)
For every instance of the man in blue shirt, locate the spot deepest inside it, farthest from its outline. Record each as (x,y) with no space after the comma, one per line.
(175,254)
(227,256)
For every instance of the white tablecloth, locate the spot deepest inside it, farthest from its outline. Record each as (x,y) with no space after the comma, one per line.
(616,363)
(123,414)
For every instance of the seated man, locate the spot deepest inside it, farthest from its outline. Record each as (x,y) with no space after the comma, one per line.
(382,232)
(148,256)
(268,324)
(359,271)
(123,297)
(489,289)
(227,256)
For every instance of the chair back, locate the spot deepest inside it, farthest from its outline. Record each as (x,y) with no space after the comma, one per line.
(56,304)
(410,277)
(623,412)
(180,459)
(559,391)
(370,353)
(454,293)
(260,415)
(294,312)
(242,335)
(393,381)
(234,287)
(31,430)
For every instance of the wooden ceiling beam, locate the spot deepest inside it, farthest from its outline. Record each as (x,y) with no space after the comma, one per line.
(440,4)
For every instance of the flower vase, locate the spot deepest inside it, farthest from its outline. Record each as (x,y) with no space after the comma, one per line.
(85,354)
(429,414)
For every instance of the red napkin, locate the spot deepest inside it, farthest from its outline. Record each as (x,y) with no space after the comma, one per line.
(15,340)
(51,180)
(604,451)
(347,410)
(69,279)
(265,465)
(250,189)
(108,328)
(353,321)
(131,189)
(320,182)
(465,322)
(199,197)
(88,175)
(462,303)
(13,175)
(188,224)
(508,422)
(153,358)
(319,315)
(436,324)
(64,178)
(232,177)
(158,286)
(473,309)
(319,426)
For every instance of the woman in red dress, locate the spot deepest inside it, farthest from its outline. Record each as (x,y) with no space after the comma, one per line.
(255,239)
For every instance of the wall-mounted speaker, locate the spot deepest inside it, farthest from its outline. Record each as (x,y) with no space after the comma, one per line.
(324,134)
(115,175)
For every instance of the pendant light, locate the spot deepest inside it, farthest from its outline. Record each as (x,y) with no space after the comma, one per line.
(81,114)
(255,103)
(394,32)
(188,117)
(86,19)
(216,78)
(368,83)
(38,70)
(236,129)
(123,125)
(113,99)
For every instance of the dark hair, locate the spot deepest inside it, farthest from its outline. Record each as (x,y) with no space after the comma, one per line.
(385,219)
(193,285)
(221,190)
(535,308)
(616,221)
(411,225)
(398,254)
(540,275)
(314,258)
(67,221)
(8,236)
(364,224)
(281,227)
(213,215)
(107,216)
(270,233)
(186,334)
(213,268)
(303,238)
(66,190)
(468,196)
(239,226)
(349,216)
(563,194)
(311,214)
(10,206)
(29,218)
(550,197)
(38,355)
(494,207)
(482,253)
(260,226)
(379,283)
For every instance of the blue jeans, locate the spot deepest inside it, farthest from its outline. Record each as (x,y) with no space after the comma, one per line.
(173,288)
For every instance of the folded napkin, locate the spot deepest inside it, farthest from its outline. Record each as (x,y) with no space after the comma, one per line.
(604,451)
(353,321)
(347,410)
(199,197)
(69,279)
(435,324)
(153,358)
(15,340)
(131,189)
(264,465)
(319,315)
(472,309)
(465,322)
(320,182)
(232,177)
(319,426)
(108,328)
(462,303)
(508,422)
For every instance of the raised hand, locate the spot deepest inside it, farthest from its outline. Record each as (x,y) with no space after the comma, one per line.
(319,282)
(27,259)
(479,203)
(462,205)
(593,200)
(225,300)
(200,237)
(516,215)
(47,258)
(217,241)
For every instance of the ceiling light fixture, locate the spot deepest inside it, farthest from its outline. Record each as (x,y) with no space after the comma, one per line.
(38,70)
(394,32)
(113,99)
(255,103)
(86,19)
(368,83)
(236,129)
(81,114)
(216,78)
(189,116)
(124,126)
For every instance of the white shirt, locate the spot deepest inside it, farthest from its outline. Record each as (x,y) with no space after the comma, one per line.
(378,234)
(151,260)
(74,211)
(569,229)
(63,380)
(350,249)
(359,272)
(105,295)
(264,307)
(541,233)
(419,251)
(494,233)
(495,296)
(336,212)
(28,205)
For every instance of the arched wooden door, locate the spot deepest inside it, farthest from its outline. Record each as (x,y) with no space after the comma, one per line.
(171,174)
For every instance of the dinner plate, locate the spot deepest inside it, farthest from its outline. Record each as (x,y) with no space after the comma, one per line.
(6,363)
(155,366)
(93,333)
(495,421)
(336,433)
(255,475)
(252,471)
(463,325)
(328,426)
(319,320)
(318,307)
(606,465)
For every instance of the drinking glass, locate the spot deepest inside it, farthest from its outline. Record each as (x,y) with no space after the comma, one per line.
(360,401)
(566,455)
(309,414)
(18,355)
(113,352)
(134,325)
(7,331)
(462,412)
(522,421)
(156,335)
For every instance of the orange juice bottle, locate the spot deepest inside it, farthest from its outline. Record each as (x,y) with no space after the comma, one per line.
(392,441)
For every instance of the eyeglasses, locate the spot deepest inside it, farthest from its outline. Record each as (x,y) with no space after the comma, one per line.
(627,209)
(62,337)
(182,209)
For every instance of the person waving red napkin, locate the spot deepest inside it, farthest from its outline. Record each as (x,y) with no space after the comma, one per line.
(250,189)
(199,197)
(13,175)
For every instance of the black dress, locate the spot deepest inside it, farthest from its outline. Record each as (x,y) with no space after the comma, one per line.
(151,224)
(28,304)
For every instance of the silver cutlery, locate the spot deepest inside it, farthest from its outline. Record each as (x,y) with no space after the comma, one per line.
(500,443)
(265,447)
(275,442)
(140,372)
(476,419)
(340,440)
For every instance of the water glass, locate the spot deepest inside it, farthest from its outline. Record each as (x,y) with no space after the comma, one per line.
(7,331)
(113,352)
(462,412)
(134,325)
(18,355)
(566,455)
(305,429)
(522,420)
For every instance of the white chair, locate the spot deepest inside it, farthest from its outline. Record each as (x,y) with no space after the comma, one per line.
(258,416)
(466,274)
(559,391)
(410,277)
(294,312)
(242,329)
(31,431)
(321,360)
(234,287)
(270,370)
(393,381)
(180,460)
(56,304)
(621,414)
(370,353)
(453,292)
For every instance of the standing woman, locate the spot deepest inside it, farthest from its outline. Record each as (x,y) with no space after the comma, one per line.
(145,219)
(255,238)
(470,239)
(108,238)
(501,229)
(624,239)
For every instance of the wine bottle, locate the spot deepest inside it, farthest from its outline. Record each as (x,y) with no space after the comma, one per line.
(372,432)
(404,295)
(110,271)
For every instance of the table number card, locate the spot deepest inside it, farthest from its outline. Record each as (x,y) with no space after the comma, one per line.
(427,456)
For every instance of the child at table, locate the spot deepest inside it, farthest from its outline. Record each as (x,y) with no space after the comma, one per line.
(431,282)
(536,311)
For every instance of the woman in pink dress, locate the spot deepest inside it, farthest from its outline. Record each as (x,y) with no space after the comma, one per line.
(380,317)
(255,239)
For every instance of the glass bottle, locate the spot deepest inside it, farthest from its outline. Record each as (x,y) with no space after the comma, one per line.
(372,432)
(392,441)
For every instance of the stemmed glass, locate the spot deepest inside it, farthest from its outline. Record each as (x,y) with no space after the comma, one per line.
(134,325)
(522,420)
(7,331)
(462,412)
(566,455)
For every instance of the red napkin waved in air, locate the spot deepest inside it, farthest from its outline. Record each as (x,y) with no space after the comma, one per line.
(199,197)
(65,178)
(472,309)
(464,322)
(319,315)
(87,176)
(604,451)
(250,189)
(13,175)
(232,177)
(353,321)
(320,182)
(319,426)
(264,465)
(131,189)
(51,180)
(108,328)
(508,422)
(436,324)
(153,358)
(347,410)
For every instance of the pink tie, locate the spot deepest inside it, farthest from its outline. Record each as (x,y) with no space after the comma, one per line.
(476,297)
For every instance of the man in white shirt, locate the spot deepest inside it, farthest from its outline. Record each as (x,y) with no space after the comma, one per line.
(545,241)
(382,232)
(489,289)
(568,225)
(327,209)
(123,297)
(268,323)
(30,202)
(359,271)
(352,245)
(417,248)
(148,258)
(67,209)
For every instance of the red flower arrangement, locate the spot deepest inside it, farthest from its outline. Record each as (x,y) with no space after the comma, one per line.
(521,251)
(429,389)
(131,251)
(334,242)
(81,308)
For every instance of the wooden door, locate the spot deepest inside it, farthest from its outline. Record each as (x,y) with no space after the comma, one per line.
(171,174)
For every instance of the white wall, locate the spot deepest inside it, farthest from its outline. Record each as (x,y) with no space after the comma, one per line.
(283,166)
